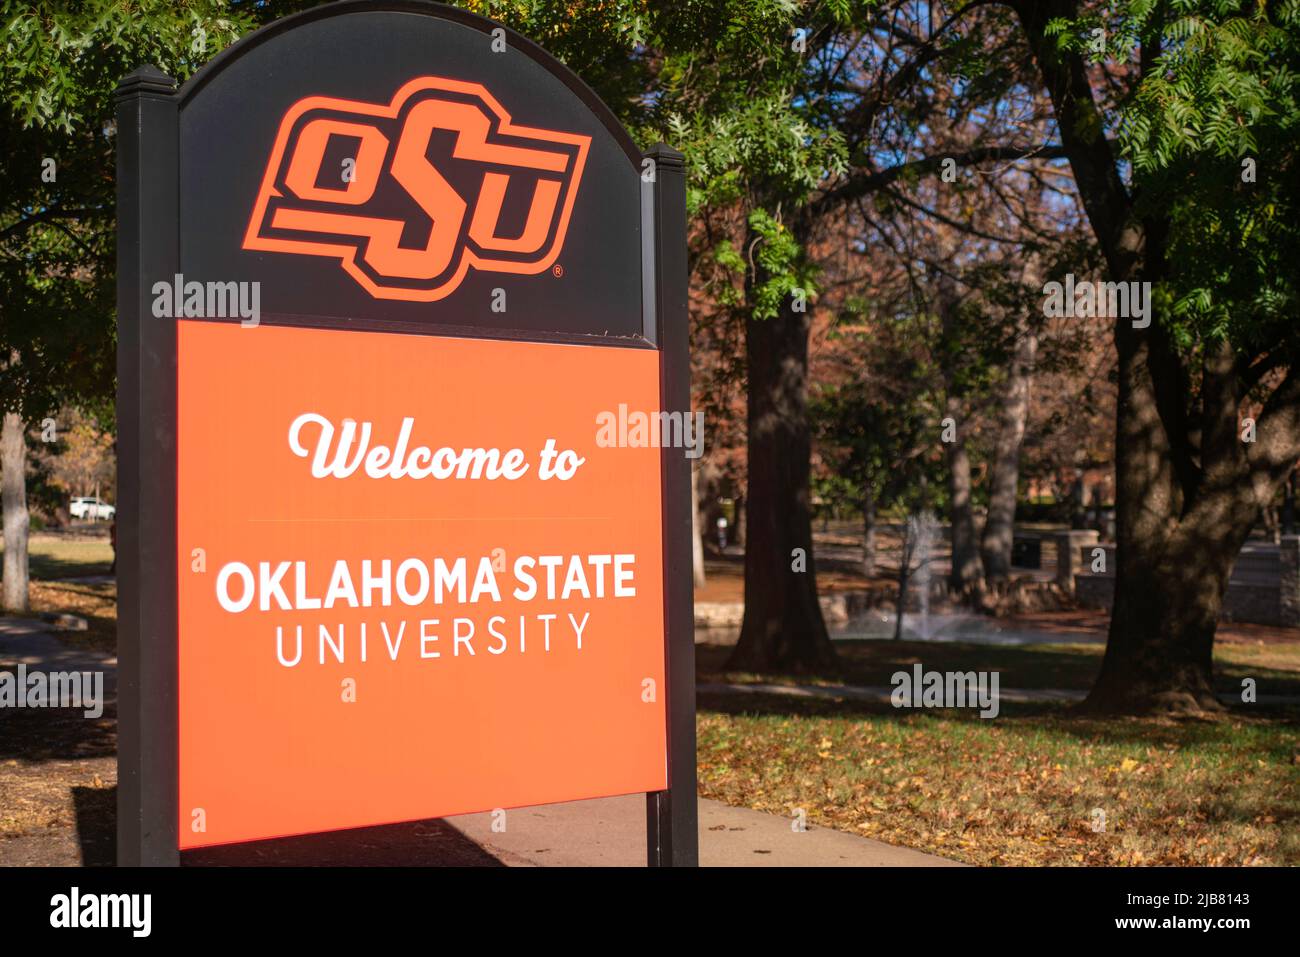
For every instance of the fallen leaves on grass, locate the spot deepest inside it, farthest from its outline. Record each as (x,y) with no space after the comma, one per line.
(1021,790)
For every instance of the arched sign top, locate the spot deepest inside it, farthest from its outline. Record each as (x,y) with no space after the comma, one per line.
(411,167)
(514,41)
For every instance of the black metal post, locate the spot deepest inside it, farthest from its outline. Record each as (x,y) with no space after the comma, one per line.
(672,837)
(147,218)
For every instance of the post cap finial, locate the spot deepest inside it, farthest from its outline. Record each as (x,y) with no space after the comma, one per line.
(145,79)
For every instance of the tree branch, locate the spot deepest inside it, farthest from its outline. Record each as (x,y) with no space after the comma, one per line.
(868,181)
(44,216)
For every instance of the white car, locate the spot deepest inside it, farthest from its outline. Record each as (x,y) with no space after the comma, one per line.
(91,508)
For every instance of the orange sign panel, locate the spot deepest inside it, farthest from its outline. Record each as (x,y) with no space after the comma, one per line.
(407,596)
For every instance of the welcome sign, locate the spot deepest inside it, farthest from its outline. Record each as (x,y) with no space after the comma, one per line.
(385,270)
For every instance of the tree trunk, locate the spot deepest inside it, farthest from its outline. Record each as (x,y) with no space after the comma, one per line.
(1179,531)
(1169,589)
(1159,649)
(1183,512)
(1159,653)
(1171,573)
(966,575)
(783,629)
(868,533)
(13,497)
(697,541)
(1004,478)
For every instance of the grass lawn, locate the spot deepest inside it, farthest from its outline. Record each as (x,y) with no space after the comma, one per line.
(1020,789)
(67,556)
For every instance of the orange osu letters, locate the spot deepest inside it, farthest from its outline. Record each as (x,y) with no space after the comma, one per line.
(424,254)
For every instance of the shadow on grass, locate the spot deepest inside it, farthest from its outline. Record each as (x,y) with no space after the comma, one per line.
(760,703)
(865,662)
(1255,726)
(76,553)
(57,734)
(47,568)
(96,813)
(1068,666)
(1228,677)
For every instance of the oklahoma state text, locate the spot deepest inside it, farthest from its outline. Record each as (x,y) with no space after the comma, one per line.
(413,582)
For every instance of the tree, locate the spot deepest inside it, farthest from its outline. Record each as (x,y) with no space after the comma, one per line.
(13,496)
(875,427)
(1021,319)
(1207,117)
(934,189)
(81,460)
(759,95)
(697,538)
(1178,121)
(732,95)
(958,353)
(783,626)
(60,65)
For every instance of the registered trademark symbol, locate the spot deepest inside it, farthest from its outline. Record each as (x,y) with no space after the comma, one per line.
(558,270)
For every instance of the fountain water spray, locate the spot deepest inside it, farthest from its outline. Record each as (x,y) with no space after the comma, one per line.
(918,543)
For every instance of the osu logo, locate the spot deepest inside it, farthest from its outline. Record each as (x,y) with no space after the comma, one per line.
(409,195)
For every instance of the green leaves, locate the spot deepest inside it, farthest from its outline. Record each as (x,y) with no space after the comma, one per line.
(782,269)
(59,60)
(1210,130)
(1210,88)
(60,64)
(736,91)
(759,141)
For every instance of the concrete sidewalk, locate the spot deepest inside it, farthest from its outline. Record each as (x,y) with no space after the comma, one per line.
(37,645)
(610,832)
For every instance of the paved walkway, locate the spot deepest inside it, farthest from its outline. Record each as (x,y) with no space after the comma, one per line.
(610,832)
(30,642)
